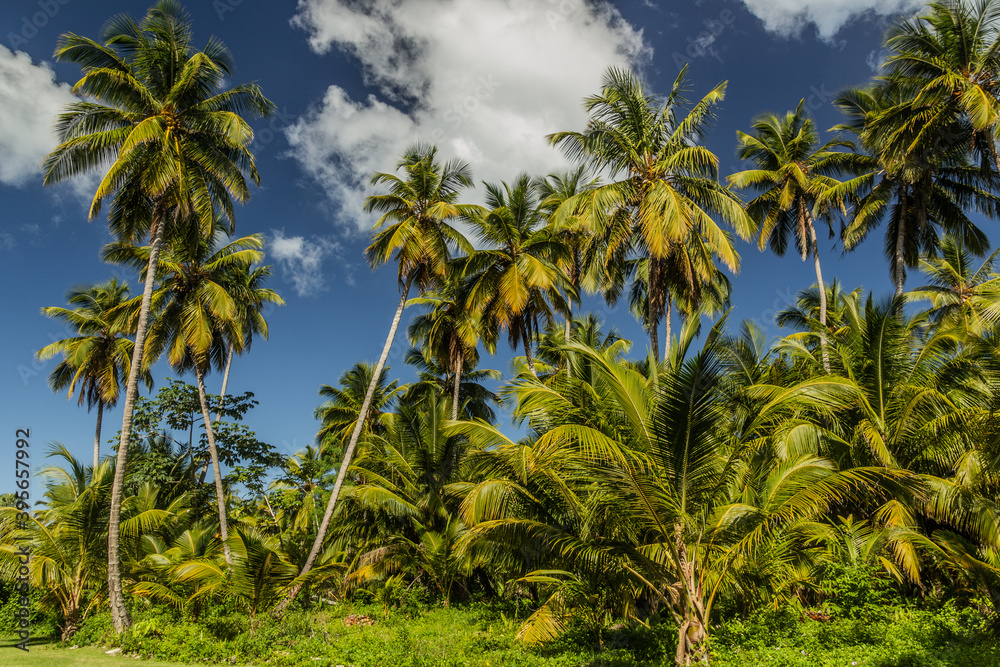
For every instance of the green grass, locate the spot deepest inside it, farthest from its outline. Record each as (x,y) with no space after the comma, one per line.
(51,654)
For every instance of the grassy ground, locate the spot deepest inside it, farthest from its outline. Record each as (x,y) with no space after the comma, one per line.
(53,655)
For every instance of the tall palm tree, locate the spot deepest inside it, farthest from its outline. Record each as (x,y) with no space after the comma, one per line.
(97,360)
(197,315)
(514,277)
(948,59)
(791,172)
(918,184)
(156,109)
(415,231)
(448,332)
(664,185)
(563,200)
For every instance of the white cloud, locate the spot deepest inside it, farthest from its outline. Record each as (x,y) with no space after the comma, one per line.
(790,17)
(29,100)
(301,260)
(485,81)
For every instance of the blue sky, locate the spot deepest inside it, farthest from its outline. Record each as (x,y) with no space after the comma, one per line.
(483,79)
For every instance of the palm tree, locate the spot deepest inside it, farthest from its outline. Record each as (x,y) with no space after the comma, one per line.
(917,184)
(514,277)
(949,62)
(97,360)
(448,333)
(475,400)
(791,172)
(963,298)
(197,314)
(415,232)
(340,413)
(177,143)
(563,199)
(666,188)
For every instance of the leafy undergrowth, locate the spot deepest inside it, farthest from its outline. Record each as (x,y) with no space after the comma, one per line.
(479,636)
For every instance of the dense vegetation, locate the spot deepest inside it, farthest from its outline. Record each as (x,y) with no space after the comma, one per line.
(711,494)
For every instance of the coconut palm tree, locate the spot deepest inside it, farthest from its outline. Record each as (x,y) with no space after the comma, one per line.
(97,360)
(664,185)
(197,314)
(448,332)
(156,110)
(964,299)
(514,278)
(340,413)
(791,172)
(920,186)
(415,231)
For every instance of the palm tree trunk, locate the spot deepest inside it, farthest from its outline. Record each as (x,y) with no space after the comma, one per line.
(116,597)
(222,397)
(458,385)
(668,332)
(345,464)
(526,337)
(899,268)
(568,332)
(97,434)
(822,299)
(220,495)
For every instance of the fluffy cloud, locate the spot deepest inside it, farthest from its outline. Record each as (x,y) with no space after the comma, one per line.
(29,100)
(484,81)
(301,260)
(789,17)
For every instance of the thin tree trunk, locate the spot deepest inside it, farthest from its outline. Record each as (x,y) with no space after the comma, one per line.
(97,434)
(652,311)
(116,597)
(822,300)
(220,495)
(654,340)
(668,332)
(527,350)
(899,270)
(345,464)
(568,332)
(222,398)
(458,384)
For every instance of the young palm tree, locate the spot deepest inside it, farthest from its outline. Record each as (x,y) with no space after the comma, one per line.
(197,314)
(97,360)
(177,143)
(415,231)
(514,277)
(791,171)
(664,188)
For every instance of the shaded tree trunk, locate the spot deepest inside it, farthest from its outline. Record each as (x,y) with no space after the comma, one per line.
(822,299)
(568,331)
(116,598)
(97,434)
(668,329)
(349,453)
(458,384)
(220,495)
(899,254)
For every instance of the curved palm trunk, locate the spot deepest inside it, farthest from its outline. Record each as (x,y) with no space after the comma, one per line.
(97,434)
(458,384)
(116,598)
(349,453)
(220,495)
(822,299)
